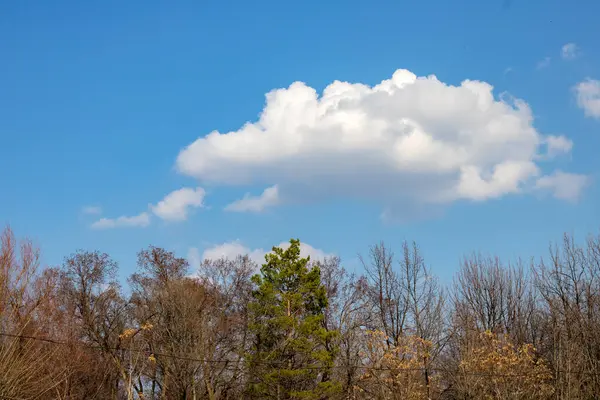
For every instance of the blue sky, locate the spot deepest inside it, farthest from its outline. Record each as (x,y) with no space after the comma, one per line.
(100,104)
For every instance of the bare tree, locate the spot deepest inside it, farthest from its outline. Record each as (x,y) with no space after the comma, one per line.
(25,364)
(229,279)
(100,313)
(199,325)
(491,296)
(425,306)
(349,312)
(386,292)
(570,287)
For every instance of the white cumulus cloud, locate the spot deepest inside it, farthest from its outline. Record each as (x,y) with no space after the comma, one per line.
(587,93)
(569,51)
(406,139)
(140,220)
(249,203)
(563,186)
(176,205)
(235,248)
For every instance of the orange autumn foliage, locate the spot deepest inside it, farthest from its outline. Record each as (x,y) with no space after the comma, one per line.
(494,368)
(399,371)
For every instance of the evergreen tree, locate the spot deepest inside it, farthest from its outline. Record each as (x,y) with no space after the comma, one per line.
(289,358)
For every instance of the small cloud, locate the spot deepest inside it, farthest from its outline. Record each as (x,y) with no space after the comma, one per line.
(306,250)
(563,185)
(587,93)
(142,220)
(176,205)
(231,250)
(569,51)
(236,248)
(508,70)
(545,63)
(557,145)
(256,204)
(91,210)
(173,207)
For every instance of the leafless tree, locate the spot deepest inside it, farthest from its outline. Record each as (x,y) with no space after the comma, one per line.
(25,364)
(570,286)
(99,313)
(349,312)
(386,292)
(425,305)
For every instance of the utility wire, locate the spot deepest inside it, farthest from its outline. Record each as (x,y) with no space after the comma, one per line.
(279,363)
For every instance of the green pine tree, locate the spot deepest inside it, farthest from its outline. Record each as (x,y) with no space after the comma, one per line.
(289,358)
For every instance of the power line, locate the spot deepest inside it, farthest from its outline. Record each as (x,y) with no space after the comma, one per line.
(278,363)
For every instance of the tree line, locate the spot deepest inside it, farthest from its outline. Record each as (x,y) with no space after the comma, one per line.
(296,328)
